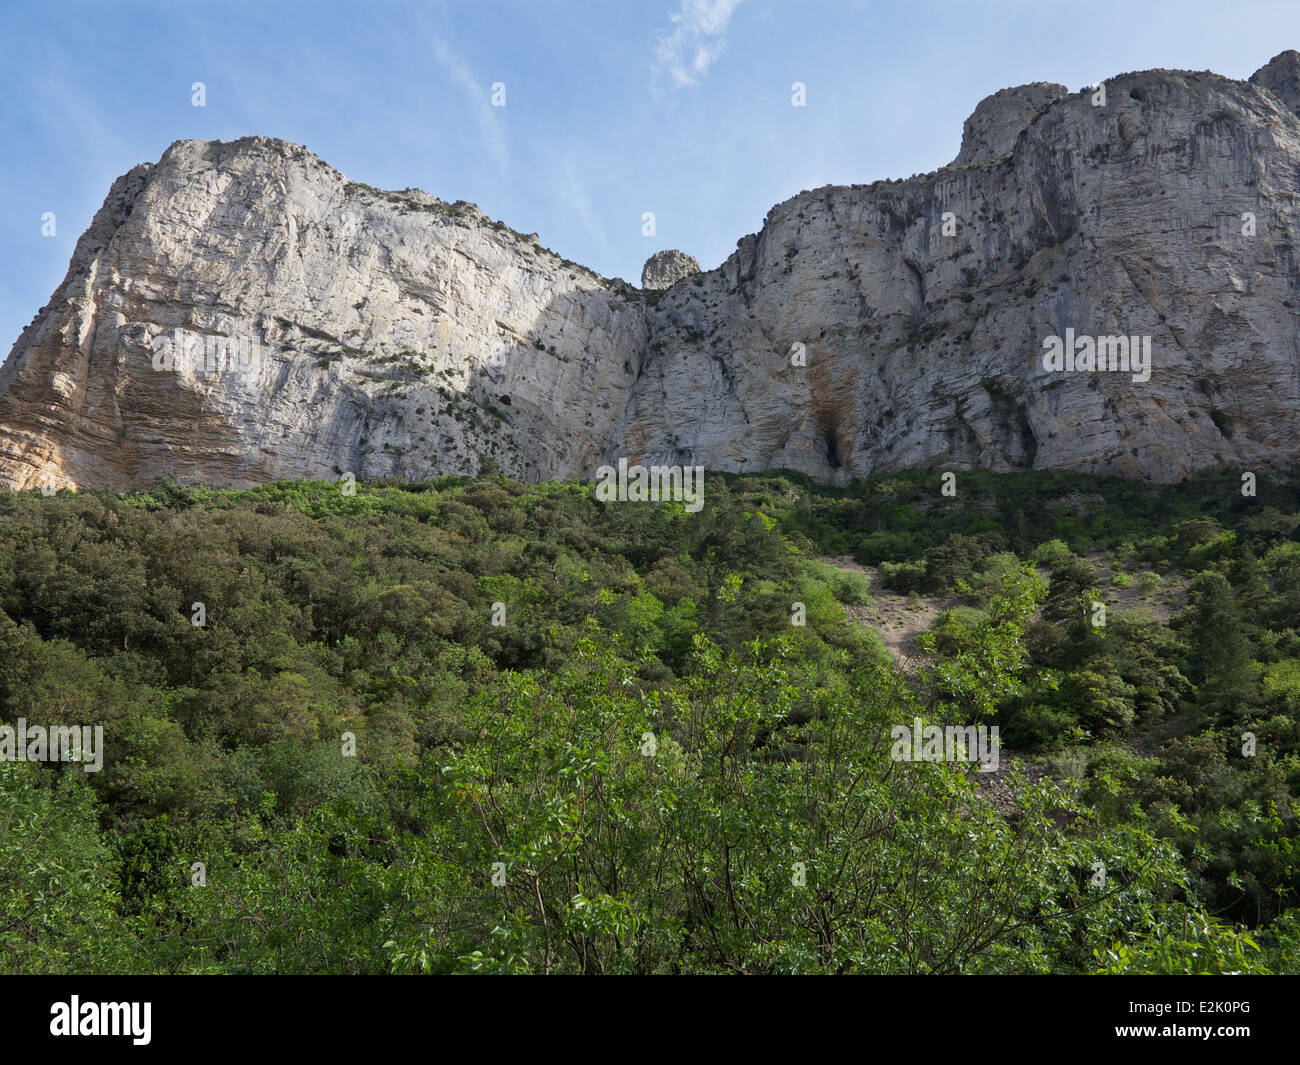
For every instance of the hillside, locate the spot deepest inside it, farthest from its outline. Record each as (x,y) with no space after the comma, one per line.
(473,725)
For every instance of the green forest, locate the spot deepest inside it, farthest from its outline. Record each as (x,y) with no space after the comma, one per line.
(471,725)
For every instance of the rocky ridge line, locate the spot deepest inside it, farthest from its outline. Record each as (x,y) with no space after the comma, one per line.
(864,328)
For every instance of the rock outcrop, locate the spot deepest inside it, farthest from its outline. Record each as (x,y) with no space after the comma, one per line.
(1281,76)
(996,123)
(665,268)
(240,312)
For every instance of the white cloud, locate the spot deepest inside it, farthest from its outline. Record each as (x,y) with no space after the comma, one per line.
(698,37)
(571,191)
(477,94)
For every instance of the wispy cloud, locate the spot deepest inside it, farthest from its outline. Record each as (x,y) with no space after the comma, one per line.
(571,190)
(478,98)
(698,37)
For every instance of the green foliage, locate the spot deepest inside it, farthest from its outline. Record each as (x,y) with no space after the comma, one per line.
(521,746)
(57,912)
(743,825)
(1195,946)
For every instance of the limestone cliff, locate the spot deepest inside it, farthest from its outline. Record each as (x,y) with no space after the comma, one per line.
(240,312)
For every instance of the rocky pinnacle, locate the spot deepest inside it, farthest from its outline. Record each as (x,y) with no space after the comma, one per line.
(665,268)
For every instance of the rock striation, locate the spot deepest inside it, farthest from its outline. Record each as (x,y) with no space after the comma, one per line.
(240,312)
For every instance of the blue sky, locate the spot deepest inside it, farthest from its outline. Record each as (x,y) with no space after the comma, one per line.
(680,107)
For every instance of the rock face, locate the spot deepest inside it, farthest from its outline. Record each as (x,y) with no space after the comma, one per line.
(1281,76)
(995,125)
(239,312)
(665,268)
